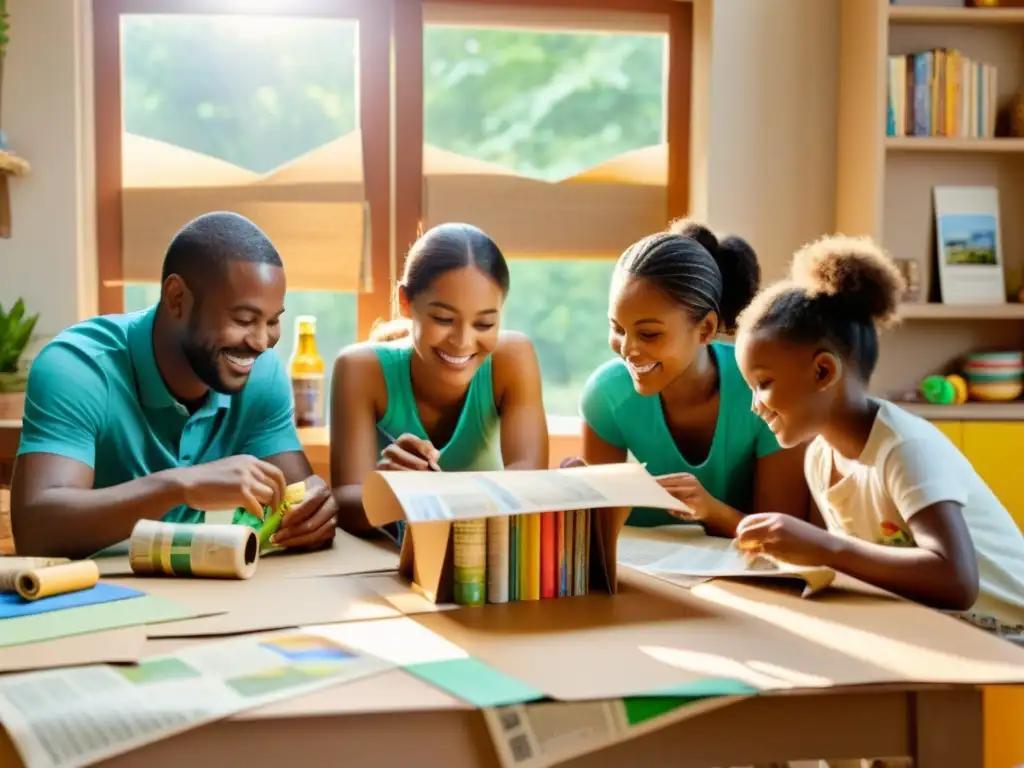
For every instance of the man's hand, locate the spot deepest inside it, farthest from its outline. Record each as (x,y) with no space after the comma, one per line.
(785,538)
(312,522)
(237,481)
(409,452)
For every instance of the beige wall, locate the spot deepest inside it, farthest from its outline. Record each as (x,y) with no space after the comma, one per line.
(50,259)
(764,139)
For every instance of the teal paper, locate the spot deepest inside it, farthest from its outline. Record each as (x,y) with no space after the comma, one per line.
(702,689)
(475,682)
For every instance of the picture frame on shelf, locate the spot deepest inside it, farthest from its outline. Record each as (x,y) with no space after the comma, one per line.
(968,245)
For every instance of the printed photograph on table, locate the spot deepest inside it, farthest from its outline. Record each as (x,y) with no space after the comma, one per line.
(307,648)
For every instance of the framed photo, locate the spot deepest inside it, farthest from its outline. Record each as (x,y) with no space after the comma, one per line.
(969,245)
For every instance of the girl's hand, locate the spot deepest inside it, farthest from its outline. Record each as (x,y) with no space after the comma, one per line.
(572,461)
(407,453)
(785,538)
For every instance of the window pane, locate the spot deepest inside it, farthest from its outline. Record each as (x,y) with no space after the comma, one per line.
(254,92)
(548,105)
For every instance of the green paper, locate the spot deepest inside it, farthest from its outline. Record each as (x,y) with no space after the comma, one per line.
(702,689)
(640,710)
(475,682)
(145,609)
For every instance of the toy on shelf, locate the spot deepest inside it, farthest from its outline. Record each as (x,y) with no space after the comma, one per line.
(944,390)
(994,376)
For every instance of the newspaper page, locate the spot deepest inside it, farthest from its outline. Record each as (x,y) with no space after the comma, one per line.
(685,555)
(548,733)
(436,496)
(62,718)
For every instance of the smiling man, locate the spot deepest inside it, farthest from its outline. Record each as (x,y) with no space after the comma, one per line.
(165,413)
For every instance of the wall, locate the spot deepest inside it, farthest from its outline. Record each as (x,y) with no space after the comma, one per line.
(50,258)
(763,139)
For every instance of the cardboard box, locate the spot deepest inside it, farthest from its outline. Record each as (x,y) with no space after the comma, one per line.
(429,502)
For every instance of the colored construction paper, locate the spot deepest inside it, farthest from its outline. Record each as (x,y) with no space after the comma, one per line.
(146,609)
(12,605)
(475,682)
(702,689)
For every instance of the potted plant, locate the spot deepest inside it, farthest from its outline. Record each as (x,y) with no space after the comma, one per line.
(15,334)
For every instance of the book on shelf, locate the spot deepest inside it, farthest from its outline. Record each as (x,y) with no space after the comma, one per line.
(941,92)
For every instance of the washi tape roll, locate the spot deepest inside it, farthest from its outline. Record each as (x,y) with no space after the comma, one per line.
(10,567)
(57,579)
(193,550)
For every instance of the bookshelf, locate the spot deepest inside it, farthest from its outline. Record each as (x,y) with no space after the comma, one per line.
(884,183)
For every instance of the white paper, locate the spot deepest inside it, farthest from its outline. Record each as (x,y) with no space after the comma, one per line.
(549,733)
(684,554)
(64,718)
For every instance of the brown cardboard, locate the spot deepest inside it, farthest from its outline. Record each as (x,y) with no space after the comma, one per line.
(123,645)
(767,637)
(253,605)
(610,490)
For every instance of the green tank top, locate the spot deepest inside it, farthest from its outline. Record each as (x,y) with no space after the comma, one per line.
(476,442)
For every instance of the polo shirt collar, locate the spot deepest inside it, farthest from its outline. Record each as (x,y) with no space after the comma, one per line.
(152,390)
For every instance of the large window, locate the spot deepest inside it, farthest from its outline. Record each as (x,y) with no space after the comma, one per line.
(546,105)
(550,124)
(253,92)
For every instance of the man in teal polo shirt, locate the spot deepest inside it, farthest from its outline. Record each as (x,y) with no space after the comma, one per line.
(167,412)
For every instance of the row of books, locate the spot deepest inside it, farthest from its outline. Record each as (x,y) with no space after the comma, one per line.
(538,556)
(941,92)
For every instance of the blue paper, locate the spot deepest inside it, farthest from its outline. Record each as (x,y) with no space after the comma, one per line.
(12,605)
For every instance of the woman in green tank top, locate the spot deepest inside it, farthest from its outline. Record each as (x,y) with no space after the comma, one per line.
(442,387)
(674,396)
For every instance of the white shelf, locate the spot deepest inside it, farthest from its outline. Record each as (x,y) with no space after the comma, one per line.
(918,14)
(1010,411)
(935,311)
(946,144)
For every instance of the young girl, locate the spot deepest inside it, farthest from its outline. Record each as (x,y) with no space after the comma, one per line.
(675,398)
(451,390)
(903,509)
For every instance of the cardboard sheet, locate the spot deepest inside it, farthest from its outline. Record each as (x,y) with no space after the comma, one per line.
(148,609)
(719,635)
(685,555)
(259,605)
(349,555)
(112,646)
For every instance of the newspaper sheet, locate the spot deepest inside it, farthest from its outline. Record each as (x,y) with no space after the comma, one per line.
(683,554)
(437,496)
(540,735)
(60,718)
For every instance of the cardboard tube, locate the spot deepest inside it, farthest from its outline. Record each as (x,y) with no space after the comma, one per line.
(191,550)
(35,583)
(10,567)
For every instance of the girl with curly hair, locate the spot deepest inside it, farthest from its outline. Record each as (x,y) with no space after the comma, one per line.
(902,508)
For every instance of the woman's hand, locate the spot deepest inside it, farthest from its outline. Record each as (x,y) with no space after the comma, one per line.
(409,453)
(785,538)
(714,514)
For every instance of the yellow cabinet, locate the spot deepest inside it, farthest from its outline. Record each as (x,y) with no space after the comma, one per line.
(994,450)
(954,430)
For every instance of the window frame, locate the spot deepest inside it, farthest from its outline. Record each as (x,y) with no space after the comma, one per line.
(374,20)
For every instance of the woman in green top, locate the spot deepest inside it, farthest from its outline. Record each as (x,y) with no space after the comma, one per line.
(451,390)
(675,398)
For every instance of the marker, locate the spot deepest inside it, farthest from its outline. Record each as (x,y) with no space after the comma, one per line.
(391,441)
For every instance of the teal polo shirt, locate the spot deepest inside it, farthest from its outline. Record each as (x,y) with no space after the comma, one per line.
(95,395)
(611,406)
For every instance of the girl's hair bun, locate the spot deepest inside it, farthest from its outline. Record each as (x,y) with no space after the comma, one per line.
(854,273)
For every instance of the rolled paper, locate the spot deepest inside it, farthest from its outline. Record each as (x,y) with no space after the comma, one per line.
(10,567)
(50,580)
(193,550)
